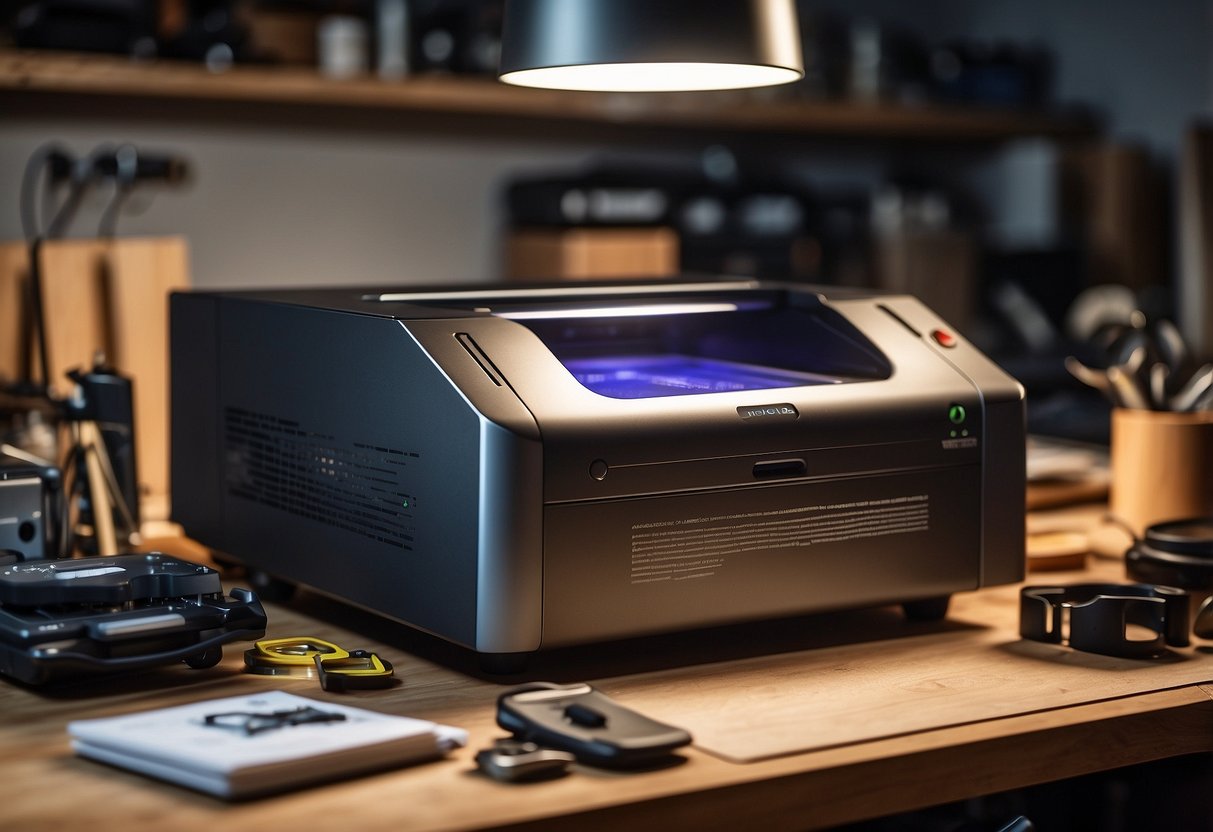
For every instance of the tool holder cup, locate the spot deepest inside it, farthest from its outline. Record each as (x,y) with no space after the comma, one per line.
(1162,467)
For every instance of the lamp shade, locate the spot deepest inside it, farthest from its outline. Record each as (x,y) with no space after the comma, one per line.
(650,45)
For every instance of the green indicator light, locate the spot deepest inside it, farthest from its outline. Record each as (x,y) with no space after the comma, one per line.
(956,414)
(953,434)
(405,504)
(964,433)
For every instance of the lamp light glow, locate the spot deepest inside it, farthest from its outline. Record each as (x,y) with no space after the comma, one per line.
(652,77)
(650,45)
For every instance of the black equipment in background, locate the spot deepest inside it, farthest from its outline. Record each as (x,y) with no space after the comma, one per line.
(31,501)
(92,504)
(102,487)
(754,223)
(96,498)
(126,27)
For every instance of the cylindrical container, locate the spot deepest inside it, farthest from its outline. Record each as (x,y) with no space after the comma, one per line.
(342,46)
(392,38)
(1162,467)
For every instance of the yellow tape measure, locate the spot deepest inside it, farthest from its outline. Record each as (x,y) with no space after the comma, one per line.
(337,668)
(293,656)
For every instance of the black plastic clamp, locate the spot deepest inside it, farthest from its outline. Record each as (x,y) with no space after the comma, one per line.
(1095,617)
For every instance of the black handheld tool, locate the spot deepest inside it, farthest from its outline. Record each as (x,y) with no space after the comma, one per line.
(587,723)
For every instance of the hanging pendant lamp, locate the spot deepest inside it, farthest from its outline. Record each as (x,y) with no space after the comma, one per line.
(650,45)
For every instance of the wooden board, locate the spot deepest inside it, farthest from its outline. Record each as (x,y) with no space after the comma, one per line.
(971,669)
(14,266)
(112,296)
(1064,493)
(1114,197)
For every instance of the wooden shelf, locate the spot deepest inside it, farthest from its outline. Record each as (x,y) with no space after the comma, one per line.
(45,75)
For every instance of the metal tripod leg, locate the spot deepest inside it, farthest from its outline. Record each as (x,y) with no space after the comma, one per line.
(104,491)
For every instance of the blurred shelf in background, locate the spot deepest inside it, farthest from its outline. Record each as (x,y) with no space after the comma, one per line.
(41,77)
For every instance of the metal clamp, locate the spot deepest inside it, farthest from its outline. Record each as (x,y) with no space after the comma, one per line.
(1095,617)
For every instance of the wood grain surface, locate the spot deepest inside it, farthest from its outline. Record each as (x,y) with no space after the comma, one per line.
(678,677)
(974,668)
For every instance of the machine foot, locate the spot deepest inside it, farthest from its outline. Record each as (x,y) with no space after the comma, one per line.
(504,664)
(927,609)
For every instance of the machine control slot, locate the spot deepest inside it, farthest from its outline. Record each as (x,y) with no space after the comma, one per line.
(899,319)
(780,469)
(477,354)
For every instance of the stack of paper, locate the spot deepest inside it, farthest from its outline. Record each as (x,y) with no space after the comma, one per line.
(226,759)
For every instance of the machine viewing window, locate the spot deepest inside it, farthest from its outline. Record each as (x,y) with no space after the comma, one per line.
(688,346)
(648,376)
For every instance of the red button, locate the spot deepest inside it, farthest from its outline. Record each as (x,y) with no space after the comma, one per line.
(944,338)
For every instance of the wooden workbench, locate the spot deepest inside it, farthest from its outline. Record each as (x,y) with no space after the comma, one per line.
(46,787)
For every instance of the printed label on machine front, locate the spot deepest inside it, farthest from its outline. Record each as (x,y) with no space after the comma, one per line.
(698,547)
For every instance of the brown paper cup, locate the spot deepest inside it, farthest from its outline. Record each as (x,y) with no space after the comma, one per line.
(1162,466)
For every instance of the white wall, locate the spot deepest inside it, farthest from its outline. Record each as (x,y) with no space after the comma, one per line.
(269,206)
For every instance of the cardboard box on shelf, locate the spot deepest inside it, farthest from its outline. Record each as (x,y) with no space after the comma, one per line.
(591,253)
